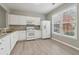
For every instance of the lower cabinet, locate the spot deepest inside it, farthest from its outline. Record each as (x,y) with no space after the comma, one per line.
(5,45)
(13,38)
(37,34)
(22,35)
(8,42)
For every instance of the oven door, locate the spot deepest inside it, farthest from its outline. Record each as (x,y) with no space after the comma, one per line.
(30,33)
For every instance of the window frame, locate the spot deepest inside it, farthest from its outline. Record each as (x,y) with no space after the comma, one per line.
(61,31)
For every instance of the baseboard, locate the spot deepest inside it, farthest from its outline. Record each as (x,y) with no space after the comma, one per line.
(76,48)
(45,38)
(29,40)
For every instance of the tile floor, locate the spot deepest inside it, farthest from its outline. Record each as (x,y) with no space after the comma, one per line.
(42,47)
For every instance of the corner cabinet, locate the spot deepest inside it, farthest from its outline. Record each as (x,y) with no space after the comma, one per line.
(5,45)
(8,42)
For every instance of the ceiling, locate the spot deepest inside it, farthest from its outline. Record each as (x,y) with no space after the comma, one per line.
(42,8)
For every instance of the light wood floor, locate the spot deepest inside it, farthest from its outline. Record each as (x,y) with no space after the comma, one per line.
(42,47)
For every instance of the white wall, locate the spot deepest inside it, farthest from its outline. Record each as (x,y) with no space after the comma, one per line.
(5,11)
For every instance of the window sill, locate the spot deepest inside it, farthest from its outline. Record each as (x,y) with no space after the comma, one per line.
(73,37)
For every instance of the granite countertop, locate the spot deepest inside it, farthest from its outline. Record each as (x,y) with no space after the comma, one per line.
(4,34)
(7,33)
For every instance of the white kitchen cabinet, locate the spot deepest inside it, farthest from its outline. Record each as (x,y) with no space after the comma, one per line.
(12,19)
(33,20)
(12,41)
(13,38)
(30,20)
(8,42)
(16,20)
(5,45)
(22,35)
(37,34)
(22,20)
(37,21)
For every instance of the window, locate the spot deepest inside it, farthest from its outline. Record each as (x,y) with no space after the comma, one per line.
(57,23)
(65,23)
(69,22)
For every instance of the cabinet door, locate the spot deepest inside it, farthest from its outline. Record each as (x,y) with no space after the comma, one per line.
(5,46)
(16,20)
(33,20)
(12,41)
(14,38)
(29,20)
(37,21)
(37,34)
(22,35)
(13,20)
(22,20)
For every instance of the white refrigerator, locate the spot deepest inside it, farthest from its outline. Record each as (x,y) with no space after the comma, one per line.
(45,26)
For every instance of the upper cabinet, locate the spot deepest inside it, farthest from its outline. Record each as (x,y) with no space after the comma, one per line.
(33,20)
(23,20)
(37,21)
(16,20)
